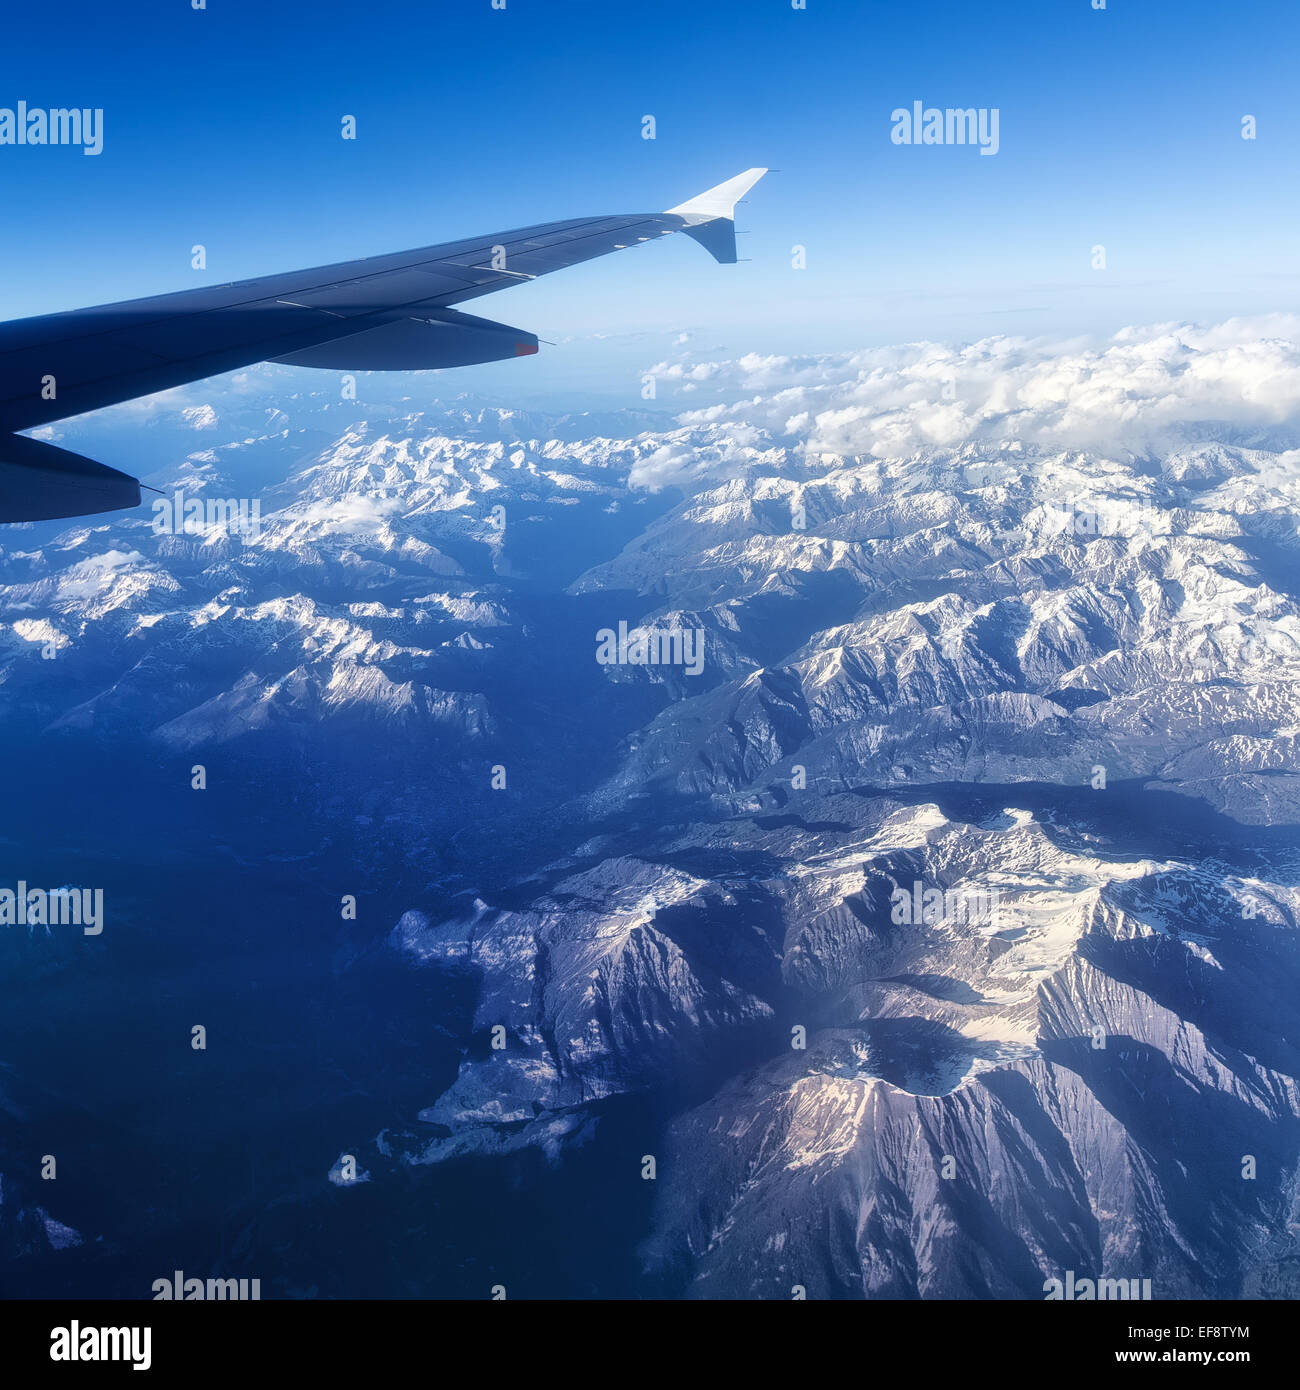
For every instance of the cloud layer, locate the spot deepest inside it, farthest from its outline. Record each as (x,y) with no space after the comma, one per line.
(1145,391)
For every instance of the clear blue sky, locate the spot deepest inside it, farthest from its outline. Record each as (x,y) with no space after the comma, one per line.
(1119,127)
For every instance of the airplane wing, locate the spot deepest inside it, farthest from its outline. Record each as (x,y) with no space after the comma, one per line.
(381,313)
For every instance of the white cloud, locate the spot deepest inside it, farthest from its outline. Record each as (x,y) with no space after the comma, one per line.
(96,573)
(1146,390)
(357,514)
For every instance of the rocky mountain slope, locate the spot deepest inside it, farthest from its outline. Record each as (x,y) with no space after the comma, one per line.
(946,919)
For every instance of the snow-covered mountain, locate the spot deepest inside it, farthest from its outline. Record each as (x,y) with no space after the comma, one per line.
(948,916)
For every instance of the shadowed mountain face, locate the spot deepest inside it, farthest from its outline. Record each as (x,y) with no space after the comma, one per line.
(936,937)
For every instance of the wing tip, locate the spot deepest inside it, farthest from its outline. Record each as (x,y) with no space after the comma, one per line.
(721,200)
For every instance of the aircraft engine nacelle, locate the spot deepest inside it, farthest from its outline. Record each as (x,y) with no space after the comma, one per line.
(41,482)
(417,341)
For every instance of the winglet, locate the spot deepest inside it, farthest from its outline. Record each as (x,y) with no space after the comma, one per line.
(720,201)
(709,216)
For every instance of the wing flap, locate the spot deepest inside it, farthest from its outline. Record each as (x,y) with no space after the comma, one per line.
(350,298)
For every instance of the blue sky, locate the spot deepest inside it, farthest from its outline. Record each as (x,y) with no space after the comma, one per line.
(1120,127)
